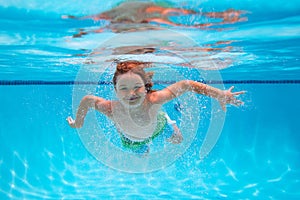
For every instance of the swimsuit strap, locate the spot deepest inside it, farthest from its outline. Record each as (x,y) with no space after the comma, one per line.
(161,123)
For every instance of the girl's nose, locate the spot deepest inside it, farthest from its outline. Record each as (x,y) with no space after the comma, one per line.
(132,92)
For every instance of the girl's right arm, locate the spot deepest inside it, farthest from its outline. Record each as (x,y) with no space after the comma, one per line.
(86,103)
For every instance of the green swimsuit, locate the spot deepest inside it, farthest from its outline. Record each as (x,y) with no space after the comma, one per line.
(161,123)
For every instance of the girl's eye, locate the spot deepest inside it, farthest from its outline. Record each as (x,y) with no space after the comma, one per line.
(137,87)
(123,89)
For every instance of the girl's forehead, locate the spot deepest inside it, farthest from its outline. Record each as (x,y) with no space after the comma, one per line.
(130,78)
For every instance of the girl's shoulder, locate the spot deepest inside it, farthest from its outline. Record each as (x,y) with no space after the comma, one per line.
(153,97)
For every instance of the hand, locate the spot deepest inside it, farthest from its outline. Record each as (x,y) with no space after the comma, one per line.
(176,137)
(71,122)
(229,98)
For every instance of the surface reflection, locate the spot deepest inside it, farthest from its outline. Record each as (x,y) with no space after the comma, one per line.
(139,16)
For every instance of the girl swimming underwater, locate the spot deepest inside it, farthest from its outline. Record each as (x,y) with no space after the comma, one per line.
(137,112)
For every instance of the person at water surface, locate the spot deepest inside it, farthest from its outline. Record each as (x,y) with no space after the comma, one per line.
(137,111)
(140,15)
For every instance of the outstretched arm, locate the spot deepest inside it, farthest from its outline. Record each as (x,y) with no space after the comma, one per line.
(177,89)
(86,103)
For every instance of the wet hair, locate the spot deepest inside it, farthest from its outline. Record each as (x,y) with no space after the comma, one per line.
(135,67)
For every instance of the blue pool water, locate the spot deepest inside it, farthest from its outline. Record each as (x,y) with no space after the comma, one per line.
(257,153)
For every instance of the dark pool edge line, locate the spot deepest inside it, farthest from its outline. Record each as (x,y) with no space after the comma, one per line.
(41,82)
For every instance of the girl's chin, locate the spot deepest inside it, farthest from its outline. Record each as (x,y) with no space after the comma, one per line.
(132,104)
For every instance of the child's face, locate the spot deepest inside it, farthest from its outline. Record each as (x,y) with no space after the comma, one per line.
(130,89)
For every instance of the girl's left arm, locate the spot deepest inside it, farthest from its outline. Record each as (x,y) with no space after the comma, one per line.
(179,88)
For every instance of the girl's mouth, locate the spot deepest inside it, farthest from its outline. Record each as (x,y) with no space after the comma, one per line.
(133,98)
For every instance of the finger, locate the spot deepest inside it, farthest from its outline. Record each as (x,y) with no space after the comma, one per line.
(238,93)
(176,141)
(241,103)
(223,107)
(238,102)
(231,88)
(170,140)
(70,120)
